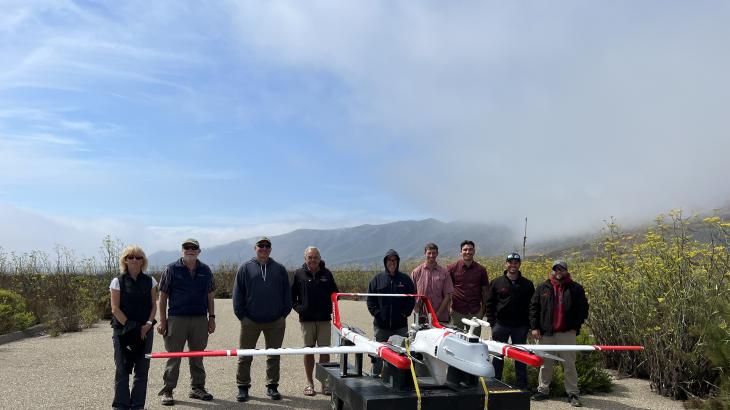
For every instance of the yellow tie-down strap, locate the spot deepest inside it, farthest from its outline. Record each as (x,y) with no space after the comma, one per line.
(413,375)
(486,392)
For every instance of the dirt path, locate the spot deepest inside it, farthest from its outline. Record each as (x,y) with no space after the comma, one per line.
(76,371)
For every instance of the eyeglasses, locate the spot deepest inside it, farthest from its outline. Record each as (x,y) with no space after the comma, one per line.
(139,258)
(264,246)
(191,248)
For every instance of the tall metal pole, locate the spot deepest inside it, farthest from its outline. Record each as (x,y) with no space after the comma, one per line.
(524,239)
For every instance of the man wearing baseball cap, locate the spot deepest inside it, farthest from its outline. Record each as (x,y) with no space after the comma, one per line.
(557,311)
(508,311)
(187,315)
(261,301)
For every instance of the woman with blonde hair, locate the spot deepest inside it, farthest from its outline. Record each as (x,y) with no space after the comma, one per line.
(133,300)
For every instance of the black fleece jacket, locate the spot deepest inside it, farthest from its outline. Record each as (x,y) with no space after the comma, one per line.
(311,293)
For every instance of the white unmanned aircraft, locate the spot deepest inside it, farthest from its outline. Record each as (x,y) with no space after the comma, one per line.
(440,347)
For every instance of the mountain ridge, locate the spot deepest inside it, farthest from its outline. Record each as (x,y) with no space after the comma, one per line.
(362,245)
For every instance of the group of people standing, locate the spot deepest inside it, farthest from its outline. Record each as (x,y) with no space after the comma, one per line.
(263,297)
(552,314)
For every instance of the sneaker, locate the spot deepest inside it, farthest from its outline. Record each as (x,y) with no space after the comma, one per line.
(200,394)
(242,394)
(166,398)
(574,400)
(539,396)
(271,391)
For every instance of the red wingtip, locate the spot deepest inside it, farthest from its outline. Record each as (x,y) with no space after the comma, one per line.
(525,357)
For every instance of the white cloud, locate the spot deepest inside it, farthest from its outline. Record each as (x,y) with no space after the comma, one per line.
(567,115)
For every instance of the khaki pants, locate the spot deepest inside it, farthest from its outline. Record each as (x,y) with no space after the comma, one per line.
(273,336)
(570,374)
(194,331)
(456,321)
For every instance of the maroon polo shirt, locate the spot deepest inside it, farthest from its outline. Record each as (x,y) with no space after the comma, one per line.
(468,283)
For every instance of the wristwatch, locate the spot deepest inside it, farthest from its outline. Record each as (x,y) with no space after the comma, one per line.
(149,322)
(211,316)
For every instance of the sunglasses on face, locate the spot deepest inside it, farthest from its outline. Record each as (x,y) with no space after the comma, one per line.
(190,248)
(264,246)
(139,258)
(559,269)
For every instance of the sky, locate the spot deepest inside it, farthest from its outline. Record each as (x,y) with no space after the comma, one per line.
(156,121)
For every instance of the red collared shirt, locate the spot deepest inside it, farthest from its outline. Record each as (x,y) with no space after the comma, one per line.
(468,283)
(435,284)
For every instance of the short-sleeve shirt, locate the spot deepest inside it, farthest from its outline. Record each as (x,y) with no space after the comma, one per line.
(435,284)
(468,283)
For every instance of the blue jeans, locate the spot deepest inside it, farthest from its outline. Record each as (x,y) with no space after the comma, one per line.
(518,334)
(122,397)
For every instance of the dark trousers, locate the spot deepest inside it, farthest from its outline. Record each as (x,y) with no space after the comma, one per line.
(382,335)
(194,331)
(518,334)
(273,337)
(122,397)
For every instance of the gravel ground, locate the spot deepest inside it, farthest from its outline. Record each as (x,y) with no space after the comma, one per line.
(76,371)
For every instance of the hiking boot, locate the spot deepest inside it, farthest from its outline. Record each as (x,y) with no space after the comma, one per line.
(271,391)
(200,394)
(574,400)
(166,398)
(242,394)
(539,396)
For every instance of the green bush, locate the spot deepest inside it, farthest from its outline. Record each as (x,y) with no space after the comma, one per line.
(13,312)
(592,377)
(668,291)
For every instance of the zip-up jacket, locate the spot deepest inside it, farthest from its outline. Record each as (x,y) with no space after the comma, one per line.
(389,312)
(508,303)
(261,292)
(311,293)
(575,306)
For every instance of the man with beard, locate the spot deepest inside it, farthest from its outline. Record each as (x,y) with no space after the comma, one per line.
(187,314)
(508,312)
(470,282)
(261,301)
(557,311)
(390,314)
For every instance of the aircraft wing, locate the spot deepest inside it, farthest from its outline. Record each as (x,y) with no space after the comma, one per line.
(574,348)
(265,352)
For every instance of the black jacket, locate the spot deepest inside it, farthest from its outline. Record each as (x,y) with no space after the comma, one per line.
(541,307)
(311,293)
(508,303)
(389,312)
